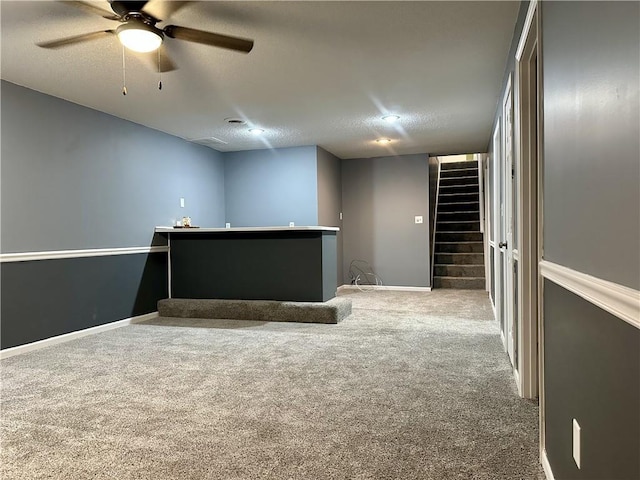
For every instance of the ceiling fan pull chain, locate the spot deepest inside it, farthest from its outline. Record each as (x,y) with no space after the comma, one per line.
(159,72)
(124,74)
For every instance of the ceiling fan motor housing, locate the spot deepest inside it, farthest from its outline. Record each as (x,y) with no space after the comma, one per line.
(123,9)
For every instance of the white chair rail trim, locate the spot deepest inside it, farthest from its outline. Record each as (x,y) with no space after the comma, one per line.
(621,301)
(91,252)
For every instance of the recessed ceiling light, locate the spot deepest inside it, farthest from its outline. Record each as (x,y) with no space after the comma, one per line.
(383,140)
(256,131)
(391,118)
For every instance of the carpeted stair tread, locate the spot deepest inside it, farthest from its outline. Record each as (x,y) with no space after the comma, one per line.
(331,311)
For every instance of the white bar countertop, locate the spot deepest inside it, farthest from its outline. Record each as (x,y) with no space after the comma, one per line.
(312,228)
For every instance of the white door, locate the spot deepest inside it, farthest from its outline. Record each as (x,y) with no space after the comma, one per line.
(507,241)
(498,268)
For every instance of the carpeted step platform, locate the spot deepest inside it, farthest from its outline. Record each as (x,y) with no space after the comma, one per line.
(331,311)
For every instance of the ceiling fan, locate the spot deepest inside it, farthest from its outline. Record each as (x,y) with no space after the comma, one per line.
(138,31)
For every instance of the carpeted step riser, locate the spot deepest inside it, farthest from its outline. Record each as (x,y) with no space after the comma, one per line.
(459,247)
(331,311)
(458,236)
(462,216)
(458,197)
(459,270)
(458,165)
(458,259)
(463,172)
(466,188)
(467,226)
(458,207)
(460,283)
(455,181)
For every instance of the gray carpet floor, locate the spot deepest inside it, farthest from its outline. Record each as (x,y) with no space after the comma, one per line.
(410,386)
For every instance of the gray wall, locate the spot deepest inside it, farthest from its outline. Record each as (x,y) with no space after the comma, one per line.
(380,197)
(271,187)
(46,298)
(590,63)
(76,178)
(592,166)
(592,375)
(330,197)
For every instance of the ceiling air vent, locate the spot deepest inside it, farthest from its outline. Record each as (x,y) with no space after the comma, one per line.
(211,142)
(235,121)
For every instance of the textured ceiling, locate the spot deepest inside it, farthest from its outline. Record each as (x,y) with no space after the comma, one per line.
(320,73)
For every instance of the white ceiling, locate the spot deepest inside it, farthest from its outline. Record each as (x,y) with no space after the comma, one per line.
(320,73)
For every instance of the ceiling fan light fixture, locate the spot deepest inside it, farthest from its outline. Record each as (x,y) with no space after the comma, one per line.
(139,37)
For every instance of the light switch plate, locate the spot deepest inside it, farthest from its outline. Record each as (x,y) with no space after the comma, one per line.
(181,202)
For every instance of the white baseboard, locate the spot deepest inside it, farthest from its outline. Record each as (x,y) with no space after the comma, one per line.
(48,342)
(516,377)
(546,466)
(385,287)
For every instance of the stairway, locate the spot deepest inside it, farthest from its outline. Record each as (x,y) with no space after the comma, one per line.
(458,257)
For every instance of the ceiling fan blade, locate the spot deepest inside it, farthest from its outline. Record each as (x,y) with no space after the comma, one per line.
(89,8)
(208,38)
(162,10)
(85,37)
(166,64)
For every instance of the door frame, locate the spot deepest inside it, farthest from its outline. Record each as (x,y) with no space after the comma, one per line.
(528,134)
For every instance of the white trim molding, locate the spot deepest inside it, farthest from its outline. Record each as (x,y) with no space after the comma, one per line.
(621,301)
(533,5)
(384,287)
(546,466)
(48,342)
(91,252)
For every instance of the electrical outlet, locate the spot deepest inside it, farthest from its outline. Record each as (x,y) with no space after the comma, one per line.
(181,202)
(576,442)
(227,225)
(292,224)
(418,218)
